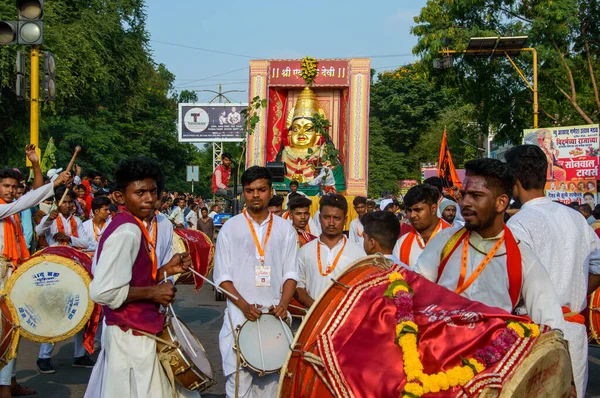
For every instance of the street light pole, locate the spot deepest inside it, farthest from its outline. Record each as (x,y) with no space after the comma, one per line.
(34,96)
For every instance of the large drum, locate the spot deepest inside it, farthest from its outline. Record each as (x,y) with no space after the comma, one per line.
(50,293)
(9,331)
(594,316)
(347,345)
(187,359)
(201,250)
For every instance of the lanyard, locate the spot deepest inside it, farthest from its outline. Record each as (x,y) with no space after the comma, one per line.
(261,249)
(331,267)
(97,231)
(360,234)
(420,240)
(152,245)
(460,286)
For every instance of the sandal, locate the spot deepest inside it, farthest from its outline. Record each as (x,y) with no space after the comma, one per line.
(19,390)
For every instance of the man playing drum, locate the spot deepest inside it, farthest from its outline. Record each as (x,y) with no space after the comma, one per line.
(548,228)
(421,203)
(95,226)
(300,215)
(12,243)
(126,284)
(255,260)
(328,256)
(483,261)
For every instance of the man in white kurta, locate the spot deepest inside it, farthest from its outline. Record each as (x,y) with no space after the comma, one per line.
(568,248)
(356,229)
(236,257)
(418,244)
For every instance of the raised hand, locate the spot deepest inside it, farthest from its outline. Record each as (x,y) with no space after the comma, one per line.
(32,154)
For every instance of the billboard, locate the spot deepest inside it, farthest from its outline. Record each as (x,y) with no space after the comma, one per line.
(211,122)
(572,154)
(330,73)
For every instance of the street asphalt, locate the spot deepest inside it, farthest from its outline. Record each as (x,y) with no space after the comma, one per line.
(204,316)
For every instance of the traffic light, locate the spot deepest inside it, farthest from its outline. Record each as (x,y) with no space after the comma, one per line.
(8,32)
(31,26)
(49,84)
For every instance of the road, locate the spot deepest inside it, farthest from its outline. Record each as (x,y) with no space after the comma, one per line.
(204,316)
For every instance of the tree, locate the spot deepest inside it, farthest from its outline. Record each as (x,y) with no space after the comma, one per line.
(567,39)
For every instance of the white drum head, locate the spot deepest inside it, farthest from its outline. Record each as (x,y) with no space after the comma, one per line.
(275,339)
(50,296)
(192,348)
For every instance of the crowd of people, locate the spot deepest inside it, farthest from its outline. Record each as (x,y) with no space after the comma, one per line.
(541,259)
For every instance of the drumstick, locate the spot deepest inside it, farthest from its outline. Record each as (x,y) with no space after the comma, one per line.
(179,324)
(262,357)
(77,149)
(212,283)
(289,339)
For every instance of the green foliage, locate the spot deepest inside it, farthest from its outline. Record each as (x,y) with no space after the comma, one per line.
(251,113)
(112,99)
(330,154)
(188,97)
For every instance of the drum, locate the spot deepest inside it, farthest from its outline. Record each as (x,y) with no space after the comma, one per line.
(264,344)
(594,316)
(201,250)
(50,293)
(296,309)
(347,346)
(186,357)
(9,331)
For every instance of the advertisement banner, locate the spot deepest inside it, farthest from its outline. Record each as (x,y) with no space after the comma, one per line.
(211,122)
(330,73)
(572,154)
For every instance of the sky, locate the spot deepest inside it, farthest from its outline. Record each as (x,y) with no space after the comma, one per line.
(270,29)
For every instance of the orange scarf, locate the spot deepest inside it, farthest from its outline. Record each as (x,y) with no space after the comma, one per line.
(61,227)
(15,247)
(406,246)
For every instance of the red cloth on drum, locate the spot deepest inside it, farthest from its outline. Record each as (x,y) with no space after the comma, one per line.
(143,315)
(85,261)
(358,344)
(200,248)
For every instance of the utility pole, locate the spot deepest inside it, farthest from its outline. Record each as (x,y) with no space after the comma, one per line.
(34,97)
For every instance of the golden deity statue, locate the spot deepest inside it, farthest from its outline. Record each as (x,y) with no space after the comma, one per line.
(303,153)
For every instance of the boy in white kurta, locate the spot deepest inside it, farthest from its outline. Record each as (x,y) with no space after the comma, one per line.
(356,229)
(255,260)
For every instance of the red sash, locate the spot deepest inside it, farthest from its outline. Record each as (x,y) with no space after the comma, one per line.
(406,247)
(514,266)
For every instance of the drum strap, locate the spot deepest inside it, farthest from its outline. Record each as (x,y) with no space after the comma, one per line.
(164,359)
(238,358)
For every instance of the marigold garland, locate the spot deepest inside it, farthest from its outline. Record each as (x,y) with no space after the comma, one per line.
(309,70)
(419,383)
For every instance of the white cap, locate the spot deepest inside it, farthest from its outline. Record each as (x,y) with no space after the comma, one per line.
(53,174)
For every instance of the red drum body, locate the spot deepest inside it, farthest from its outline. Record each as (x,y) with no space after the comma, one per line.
(9,331)
(201,250)
(347,344)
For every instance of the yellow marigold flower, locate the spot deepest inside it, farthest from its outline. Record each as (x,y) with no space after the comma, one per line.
(517,328)
(443,381)
(395,276)
(465,375)
(399,288)
(433,384)
(479,367)
(401,326)
(414,389)
(535,329)
(453,376)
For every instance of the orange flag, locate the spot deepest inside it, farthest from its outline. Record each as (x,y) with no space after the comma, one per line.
(446,169)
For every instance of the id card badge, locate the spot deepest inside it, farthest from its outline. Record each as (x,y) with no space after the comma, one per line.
(262,276)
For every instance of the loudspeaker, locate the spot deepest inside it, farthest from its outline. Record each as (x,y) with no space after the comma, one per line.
(278,170)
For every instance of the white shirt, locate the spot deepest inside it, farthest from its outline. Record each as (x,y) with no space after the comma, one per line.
(310,277)
(91,237)
(317,223)
(191,220)
(212,214)
(568,249)
(236,257)
(27,201)
(49,228)
(325,177)
(356,231)
(177,216)
(415,249)
(491,287)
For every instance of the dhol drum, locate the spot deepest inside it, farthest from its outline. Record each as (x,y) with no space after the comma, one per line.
(50,293)
(201,250)
(264,344)
(9,331)
(186,357)
(347,344)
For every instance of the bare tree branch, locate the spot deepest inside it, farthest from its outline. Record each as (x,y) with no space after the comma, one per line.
(513,14)
(575,105)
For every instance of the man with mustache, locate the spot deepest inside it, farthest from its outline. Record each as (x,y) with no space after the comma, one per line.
(255,260)
(300,215)
(326,257)
(566,245)
(421,203)
(483,261)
